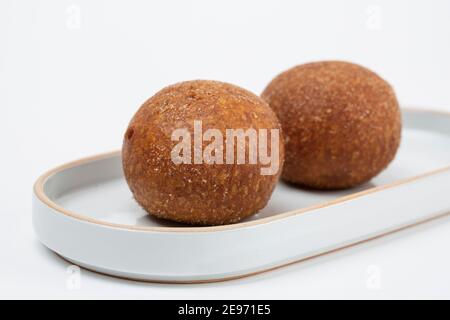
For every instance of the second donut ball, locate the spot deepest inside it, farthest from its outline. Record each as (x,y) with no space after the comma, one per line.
(341,123)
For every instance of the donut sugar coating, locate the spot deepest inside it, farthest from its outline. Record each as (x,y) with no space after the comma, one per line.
(341,123)
(210,193)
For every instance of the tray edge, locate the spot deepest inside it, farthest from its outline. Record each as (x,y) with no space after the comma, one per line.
(38,190)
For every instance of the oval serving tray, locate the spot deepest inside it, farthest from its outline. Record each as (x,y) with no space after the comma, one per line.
(84,212)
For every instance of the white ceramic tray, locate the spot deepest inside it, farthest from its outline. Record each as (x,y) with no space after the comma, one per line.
(84,212)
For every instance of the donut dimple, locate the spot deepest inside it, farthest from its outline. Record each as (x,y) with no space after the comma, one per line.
(341,122)
(198,194)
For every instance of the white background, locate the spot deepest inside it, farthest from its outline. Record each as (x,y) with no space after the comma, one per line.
(72,73)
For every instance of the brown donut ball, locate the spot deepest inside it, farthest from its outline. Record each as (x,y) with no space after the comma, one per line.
(201,194)
(341,123)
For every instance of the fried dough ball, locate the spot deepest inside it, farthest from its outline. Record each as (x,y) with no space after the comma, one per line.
(206,193)
(341,123)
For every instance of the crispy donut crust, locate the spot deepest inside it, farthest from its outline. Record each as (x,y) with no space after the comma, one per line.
(341,123)
(198,194)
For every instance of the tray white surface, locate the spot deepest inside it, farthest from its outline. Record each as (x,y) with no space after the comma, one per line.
(84,212)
